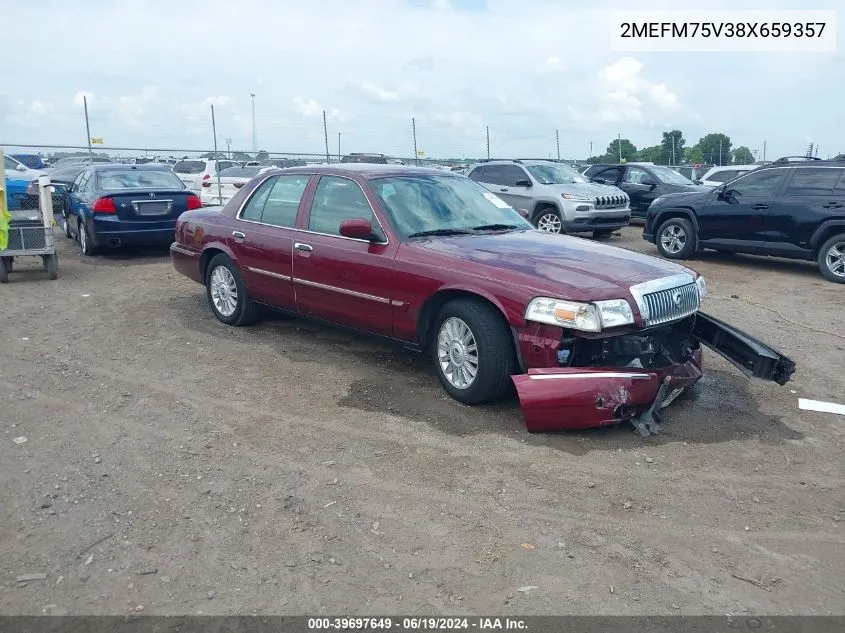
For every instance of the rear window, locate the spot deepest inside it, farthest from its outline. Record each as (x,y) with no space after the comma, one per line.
(139,179)
(723,176)
(819,181)
(364,158)
(242,172)
(189,167)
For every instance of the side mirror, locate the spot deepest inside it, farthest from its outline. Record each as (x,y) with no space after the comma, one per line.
(20,167)
(599,181)
(696,181)
(523,183)
(357,228)
(649,183)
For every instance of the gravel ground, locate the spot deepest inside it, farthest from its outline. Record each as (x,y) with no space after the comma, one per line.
(174,465)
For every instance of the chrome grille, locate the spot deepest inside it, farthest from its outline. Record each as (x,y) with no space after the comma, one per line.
(611,202)
(671,304)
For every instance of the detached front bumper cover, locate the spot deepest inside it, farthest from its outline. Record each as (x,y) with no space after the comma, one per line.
(568,398)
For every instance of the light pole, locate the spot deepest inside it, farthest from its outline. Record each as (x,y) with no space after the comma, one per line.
(338,147)
(254,142)
(229,147)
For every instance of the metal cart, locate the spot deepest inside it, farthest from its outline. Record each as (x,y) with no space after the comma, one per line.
(31,234)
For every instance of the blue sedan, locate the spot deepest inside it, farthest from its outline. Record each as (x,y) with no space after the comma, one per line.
(19,187)
(114,205)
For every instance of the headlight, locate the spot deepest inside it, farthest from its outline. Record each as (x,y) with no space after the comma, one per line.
(615,312)
(702,287)
(569,196)
(588,317)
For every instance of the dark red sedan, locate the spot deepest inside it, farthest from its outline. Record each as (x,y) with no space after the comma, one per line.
(590,334)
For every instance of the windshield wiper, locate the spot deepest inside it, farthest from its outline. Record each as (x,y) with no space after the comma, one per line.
(441,232)
(495,227)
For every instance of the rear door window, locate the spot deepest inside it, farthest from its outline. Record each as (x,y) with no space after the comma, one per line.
(818,181)
(255,207)
(189,167)
(282,203)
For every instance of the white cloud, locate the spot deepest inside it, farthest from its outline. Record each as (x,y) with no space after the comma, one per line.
(554,64)
(131,109)
(80,97)
(627,93)
(38,107)
(311,108)
(379,93)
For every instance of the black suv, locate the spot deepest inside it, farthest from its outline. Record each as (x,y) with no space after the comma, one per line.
(785,209)
(642,182)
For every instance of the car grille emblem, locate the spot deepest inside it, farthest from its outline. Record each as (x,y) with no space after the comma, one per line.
(152,195)
(676,299)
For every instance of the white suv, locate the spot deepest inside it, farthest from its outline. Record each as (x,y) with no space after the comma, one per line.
(199,172)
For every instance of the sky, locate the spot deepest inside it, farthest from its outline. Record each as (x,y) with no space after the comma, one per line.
(522,68)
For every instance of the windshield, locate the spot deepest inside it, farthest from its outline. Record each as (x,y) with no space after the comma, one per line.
(189,167)
(139,179)
(33,161)
(669,176)
(555,175)
(422,204)
(10,163)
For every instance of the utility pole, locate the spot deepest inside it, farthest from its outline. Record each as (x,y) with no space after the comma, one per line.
(557,143)
(591,149)
(619,142)
(229,147)
(338,147)
(488,141)
(326,135)
(414,132)
(254,141)
(88,129)
(720,152)
(764,150)
(214,132)
(672,158)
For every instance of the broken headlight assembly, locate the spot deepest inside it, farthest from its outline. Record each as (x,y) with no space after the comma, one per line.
(702,287)
(587,317)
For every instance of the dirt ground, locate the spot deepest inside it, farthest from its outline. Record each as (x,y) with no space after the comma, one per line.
(174,465)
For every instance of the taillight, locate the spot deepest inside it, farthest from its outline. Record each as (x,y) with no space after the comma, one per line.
(206,183)
(194,202)
(238,185)
(207,177)
(104,205)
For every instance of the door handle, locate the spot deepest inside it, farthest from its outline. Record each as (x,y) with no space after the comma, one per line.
(760,207)
(505,190)
(832,205)
(238,235)
(303,247)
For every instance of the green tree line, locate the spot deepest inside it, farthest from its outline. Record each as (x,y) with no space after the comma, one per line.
(711,149)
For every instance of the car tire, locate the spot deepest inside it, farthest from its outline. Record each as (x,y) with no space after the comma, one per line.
(88,249)
(676,238)
(831,259)
(227,293)
(469,335)
(66,228)
(549,220)
(602,233)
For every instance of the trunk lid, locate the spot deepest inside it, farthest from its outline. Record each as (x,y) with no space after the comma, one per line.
(150,206)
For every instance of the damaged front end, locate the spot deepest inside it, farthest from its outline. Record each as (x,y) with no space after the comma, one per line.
(584,381)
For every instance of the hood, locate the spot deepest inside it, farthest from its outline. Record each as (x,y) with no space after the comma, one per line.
(562,266)
(694,196)
(669,188)
(588,189)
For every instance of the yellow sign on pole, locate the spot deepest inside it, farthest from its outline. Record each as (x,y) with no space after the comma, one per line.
(420,152)
(97,140)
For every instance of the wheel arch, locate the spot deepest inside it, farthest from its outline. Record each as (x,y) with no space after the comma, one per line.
(210,252)
(827,230)
(675,212)
(431,308)
(541,204)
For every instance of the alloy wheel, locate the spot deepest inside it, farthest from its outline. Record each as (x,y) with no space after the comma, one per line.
(549,222)
(673,238)
(224,291)
(835,259)
(457,353)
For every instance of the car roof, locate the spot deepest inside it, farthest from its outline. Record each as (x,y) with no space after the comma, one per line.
(124,167)
(368,170)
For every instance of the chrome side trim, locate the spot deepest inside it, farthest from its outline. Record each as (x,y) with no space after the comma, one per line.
(609,374)
(353,293)
(185,251)
(639,291)
(268,273)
